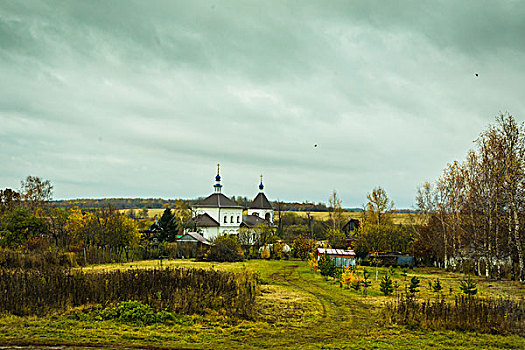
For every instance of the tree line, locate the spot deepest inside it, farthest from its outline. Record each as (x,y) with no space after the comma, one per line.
(475,211)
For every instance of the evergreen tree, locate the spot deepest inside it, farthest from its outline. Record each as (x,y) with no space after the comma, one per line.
(366,280)
(385,286)
(327,265)
(413,288)
(468,286)
(168,225)
(436,286)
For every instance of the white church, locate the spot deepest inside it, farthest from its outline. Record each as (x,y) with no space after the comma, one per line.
(218,215)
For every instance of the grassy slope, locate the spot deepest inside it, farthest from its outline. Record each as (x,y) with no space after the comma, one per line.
(298,309)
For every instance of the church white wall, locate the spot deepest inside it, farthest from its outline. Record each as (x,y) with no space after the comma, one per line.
(262,213)
(230,217)
(209,232)
(213,212)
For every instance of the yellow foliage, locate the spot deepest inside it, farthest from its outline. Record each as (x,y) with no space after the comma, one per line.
(265,253)
(351,278)
(313,263)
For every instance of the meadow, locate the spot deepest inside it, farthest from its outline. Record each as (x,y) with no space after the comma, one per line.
(295,308)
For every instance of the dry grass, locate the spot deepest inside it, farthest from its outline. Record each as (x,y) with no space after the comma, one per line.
(397,218)
(296,309)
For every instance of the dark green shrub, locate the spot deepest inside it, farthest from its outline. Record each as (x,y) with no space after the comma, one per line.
(436,286)
(327,266)
(366,280)
(225,248)
(468,286)
(133,312)
(386,286)
(413,288)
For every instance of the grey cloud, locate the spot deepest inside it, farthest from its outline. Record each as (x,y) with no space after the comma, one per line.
(142,99)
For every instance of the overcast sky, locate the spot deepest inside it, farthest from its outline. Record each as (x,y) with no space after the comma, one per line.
(143,98)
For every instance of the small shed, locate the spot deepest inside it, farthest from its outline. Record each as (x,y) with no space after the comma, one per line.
(393,259)
(342,258)
(193,238)
(191,244)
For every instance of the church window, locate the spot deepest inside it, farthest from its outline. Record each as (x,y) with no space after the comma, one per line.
(225,219)
(231,219)
(267,217)
(238,219)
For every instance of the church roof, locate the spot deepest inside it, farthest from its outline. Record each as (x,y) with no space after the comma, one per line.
(203,220)
(193,237)
(260,202)
(217,200)
(252,221)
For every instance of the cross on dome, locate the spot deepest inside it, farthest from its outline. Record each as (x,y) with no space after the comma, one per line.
(218,185)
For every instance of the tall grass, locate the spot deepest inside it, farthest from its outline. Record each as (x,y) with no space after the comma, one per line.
(493,316)
(180,290)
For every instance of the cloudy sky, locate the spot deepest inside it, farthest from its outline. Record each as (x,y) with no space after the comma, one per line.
(142,99)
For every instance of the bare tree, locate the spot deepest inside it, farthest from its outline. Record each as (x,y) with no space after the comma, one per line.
(335,211)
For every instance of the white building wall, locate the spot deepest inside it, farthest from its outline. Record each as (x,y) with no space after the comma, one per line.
(213,212)
(262,213)
(209,232)
(230,220)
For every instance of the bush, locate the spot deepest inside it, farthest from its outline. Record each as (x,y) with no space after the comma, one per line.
(386,286)
(327,266)
(351,279)
(413,288)
(302,247)
(436,286)
(468,286)
(265,253)
(133,312)
(225,248)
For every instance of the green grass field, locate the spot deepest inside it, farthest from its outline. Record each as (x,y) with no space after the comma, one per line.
(296,309)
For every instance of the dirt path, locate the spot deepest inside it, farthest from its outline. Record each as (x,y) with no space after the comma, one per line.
(342,314)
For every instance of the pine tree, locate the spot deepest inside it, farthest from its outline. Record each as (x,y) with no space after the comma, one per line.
(468,286)
(366,280)
(168,226)
(413,288)
(436,286)
(327,265)
(386,287)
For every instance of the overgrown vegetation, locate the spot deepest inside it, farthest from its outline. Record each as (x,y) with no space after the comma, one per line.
(225,248)
(493,316)
(179,290)
(133,312)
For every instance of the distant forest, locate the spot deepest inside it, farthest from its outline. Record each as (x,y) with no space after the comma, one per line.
(156,203)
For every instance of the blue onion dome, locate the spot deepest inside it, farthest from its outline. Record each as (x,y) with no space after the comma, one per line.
(218,178)
(261,186)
